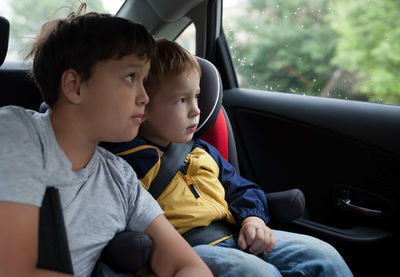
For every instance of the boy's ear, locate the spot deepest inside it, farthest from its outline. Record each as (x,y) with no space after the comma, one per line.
(70,86)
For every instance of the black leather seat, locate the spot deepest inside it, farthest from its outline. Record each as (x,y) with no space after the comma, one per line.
(4,36)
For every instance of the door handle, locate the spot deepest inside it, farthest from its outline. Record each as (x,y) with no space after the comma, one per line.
(346,203)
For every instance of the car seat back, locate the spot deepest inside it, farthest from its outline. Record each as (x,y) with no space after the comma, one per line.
(216,129)
(214,126)
(16,87)
(4,36)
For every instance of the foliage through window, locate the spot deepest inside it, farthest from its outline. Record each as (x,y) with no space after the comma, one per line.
(27,16)
(328,48)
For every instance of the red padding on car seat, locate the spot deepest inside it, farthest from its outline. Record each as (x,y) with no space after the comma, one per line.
(217,135)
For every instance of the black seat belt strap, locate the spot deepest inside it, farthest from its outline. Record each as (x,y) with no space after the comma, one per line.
(53,247)
(171,161)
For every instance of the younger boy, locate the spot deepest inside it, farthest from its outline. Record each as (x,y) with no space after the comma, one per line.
(90,70)
(207,190)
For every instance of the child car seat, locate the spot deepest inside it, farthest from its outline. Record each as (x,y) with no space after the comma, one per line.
(215,128)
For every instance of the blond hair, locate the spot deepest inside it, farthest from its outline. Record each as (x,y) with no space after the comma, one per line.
(170,58)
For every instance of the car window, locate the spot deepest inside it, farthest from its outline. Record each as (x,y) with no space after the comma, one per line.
(187,39)
(27,16)
(328,48)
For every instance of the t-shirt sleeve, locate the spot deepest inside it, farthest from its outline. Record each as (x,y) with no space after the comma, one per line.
(22,177)
(143,209)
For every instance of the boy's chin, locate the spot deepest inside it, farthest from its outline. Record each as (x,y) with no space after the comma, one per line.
(184,140)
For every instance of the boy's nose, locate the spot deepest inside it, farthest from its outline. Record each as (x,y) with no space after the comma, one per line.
(142,97)
(195,110)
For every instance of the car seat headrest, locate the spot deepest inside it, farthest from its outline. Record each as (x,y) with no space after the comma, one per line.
(4,36)
(210,97)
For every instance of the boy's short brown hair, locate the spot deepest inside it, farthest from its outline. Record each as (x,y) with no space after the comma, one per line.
(79,43)
(170,58)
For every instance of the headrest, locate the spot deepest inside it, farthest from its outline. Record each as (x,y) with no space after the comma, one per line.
(210,97)
(4,35)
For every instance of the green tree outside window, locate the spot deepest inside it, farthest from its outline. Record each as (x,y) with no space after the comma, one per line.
(329,48)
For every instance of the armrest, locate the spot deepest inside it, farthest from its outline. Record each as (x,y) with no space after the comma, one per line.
(128,251)
(285,206)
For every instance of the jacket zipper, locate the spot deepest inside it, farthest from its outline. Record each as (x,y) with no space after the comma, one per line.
(198,195)
(191,186)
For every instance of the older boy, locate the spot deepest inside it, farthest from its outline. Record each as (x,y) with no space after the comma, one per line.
(93,82)
(196,198)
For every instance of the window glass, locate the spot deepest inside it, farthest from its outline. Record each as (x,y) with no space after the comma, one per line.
(328,48)
(187,39)
(27,16)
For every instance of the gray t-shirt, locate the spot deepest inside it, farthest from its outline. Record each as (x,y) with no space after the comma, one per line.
(98,201)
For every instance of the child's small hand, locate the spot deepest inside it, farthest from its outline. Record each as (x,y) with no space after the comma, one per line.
(256,236)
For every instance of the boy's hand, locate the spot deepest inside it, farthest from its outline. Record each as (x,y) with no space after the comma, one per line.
(256,236)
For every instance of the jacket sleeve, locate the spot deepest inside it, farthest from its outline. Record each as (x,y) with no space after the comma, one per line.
(244,197)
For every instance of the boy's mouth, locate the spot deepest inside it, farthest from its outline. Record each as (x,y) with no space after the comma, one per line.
(138,118)
(192,128)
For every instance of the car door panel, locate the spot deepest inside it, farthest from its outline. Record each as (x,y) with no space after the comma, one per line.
(344,156)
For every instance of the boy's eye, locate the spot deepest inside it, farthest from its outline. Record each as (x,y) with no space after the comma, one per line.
(180,101)
(130,77)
